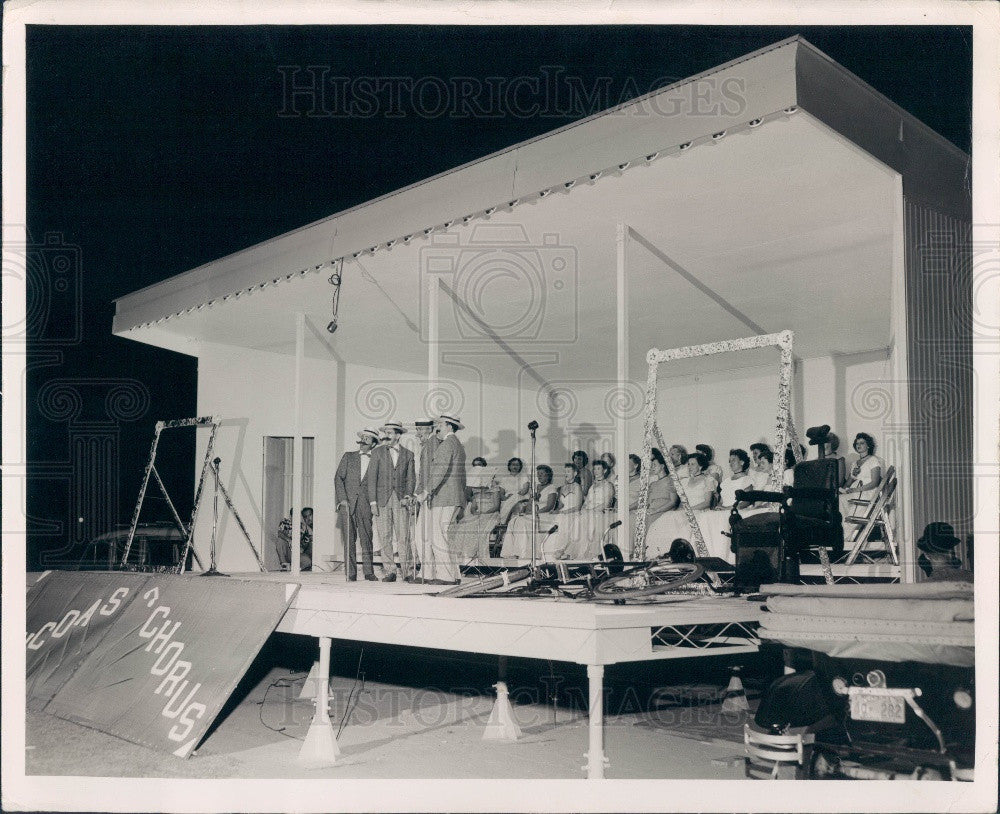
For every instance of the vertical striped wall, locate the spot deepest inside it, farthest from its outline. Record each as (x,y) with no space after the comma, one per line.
(939,365)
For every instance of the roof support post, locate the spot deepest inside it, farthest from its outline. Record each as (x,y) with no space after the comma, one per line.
(300,342)
(433,357)
(620,403)
(900,392)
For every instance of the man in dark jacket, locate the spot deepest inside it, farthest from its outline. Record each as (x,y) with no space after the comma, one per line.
(351,490)
(391,481)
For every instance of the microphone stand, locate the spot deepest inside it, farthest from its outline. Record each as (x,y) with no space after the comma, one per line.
(534,500)
(212,570)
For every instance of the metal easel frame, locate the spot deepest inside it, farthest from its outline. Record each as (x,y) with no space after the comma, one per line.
(186,530)
(785,429)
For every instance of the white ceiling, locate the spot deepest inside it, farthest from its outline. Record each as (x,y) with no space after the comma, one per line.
(786,224)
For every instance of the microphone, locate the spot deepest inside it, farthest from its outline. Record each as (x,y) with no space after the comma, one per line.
(614,525)
(553,530)
(532,426)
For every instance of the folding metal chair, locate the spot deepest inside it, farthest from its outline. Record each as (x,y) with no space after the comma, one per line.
(870,515)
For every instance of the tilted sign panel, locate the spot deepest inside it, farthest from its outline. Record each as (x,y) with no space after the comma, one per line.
(164,671)
(68,613)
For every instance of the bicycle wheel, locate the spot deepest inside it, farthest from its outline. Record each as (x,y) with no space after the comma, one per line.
(648,580)
(488,584)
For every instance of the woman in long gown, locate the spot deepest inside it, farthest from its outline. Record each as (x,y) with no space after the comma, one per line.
(584,476)
(865,476)
(514,487)
(470,535)
(699,488)
(715,524)
(596,516)
(568,515)
(517,538)
(662,498)
(713,468)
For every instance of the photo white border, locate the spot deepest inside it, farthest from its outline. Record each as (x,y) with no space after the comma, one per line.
(99,794)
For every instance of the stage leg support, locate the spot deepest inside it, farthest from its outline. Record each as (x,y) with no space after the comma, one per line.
(502,726)
(596,762)
(320,750)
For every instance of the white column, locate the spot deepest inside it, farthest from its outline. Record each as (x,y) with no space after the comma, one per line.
(900,417)
(621,445)
(300,341)
(319,748)
(433,357)
(595,754)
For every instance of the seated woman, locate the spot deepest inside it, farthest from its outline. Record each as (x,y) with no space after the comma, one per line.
(699,489)
(470,534)
(566,514)
(788,476)
(514,487)
(517,540)
(582,463)
(634,468)
(662,495)
(716,524)
(580,539)
(713,468)
(609,459)
(678,455)
(865,476)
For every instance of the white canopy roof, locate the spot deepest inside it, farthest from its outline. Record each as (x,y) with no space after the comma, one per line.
(773,210)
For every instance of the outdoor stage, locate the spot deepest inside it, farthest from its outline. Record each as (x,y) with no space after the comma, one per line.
(81,657)
(327,607)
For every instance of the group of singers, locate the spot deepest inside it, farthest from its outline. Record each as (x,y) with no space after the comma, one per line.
(384,481)
(456,514)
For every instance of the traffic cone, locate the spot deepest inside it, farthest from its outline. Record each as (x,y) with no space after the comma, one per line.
(501,725)
(734,699)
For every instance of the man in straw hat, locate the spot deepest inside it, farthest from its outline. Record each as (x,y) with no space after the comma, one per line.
(445,494)
(391,481)
(428,440)
(351,490)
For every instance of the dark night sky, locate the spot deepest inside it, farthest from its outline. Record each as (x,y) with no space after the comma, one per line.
(154,150)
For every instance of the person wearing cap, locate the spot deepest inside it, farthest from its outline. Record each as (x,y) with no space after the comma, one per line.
(428,440)
(445,494)
(391,480)
(351,492)
(937,546)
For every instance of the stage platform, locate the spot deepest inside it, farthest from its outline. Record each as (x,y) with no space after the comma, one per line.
(326,606)
(592,634)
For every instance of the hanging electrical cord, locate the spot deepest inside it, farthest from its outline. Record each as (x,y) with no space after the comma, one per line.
(335,280)
(287,681)
(351,699)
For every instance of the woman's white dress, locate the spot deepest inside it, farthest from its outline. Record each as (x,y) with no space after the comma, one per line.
(671,525)
(516,488)
(581,528)
(715,524)
(517,538)
(470,536)
(861,472)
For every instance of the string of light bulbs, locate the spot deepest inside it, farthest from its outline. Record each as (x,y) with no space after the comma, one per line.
(406,239)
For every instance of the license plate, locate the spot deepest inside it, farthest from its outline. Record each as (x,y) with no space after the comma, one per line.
(882,708)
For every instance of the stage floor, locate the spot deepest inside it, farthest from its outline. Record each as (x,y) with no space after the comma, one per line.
(589,633)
